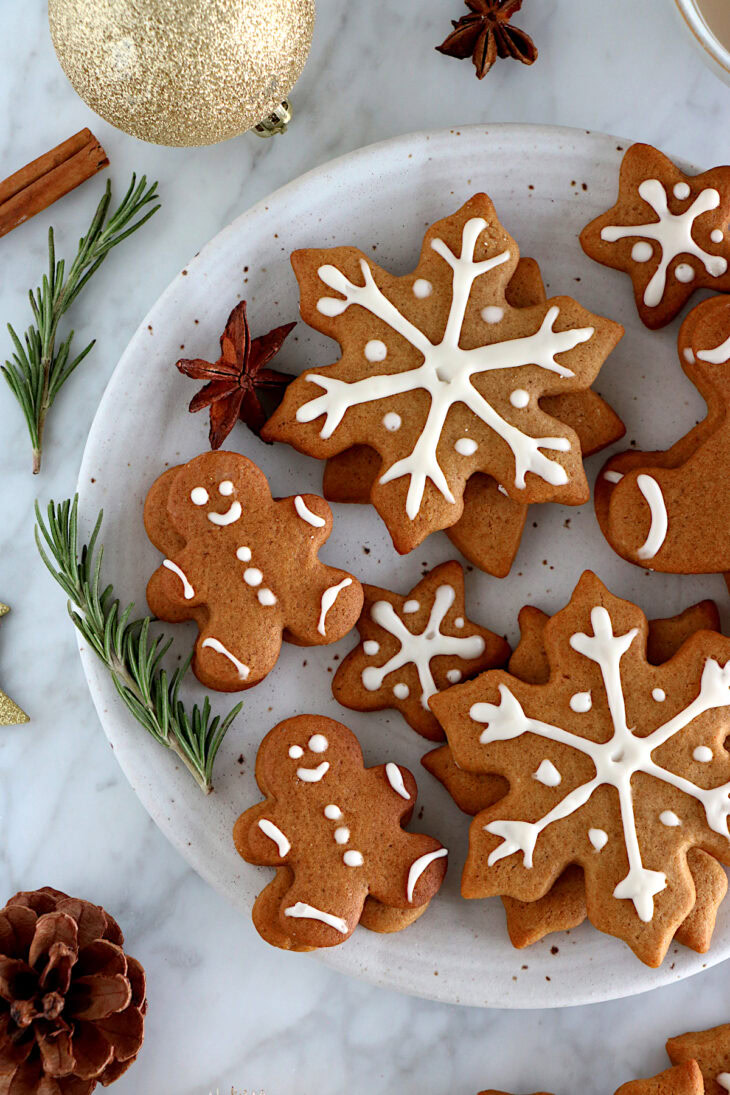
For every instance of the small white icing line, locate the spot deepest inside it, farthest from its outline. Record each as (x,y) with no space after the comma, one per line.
(419,866)
(598,838)
(718,356)
(317,743)
(231,515)
(547,774)
(313,775)
(217,645)
(188,590)
(353,858)
(669,818)
(328,599)
(395,779)
(273,832)
(723,1080)
(308,912)
(612,476)
(198,496)
(306,514)
(688,356)
(659,521)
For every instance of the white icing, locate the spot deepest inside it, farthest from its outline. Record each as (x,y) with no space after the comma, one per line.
(318,743)
(616,761)
(274,833)
(198,496)
(673,233)
(188,590)
(684,272)
(401,691)
(723,1080)
(658,694)
(225,487)
(445,373)
(352,858)
(581,702)
(334,813)
(392,421)
(370,647)
(306,514)
(717,235)
(244,554)
(252,576)
(548,774)
(411,606)
(702,754)
(459,622)
(681,190)
(308,912)
(395,779)
(313,775)
(613,476)
(422,288)
(453,676)
(217,645)
(466,446)
(328,599)
(295,752)
(669,818)
(266,597)
(420,649)
(598,838)
(688,356)
(519,398)
(231,515)
(642,251)
(492,313)
(376,350)
(419,866)
(718,356)
(342,835)
(652,492)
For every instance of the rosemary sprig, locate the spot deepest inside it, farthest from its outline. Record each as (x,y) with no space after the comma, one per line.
(38,367)
(131,654)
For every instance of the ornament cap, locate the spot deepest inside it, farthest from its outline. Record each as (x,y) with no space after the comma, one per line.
(276,122)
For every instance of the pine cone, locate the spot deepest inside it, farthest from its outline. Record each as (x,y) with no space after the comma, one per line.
(71,1001)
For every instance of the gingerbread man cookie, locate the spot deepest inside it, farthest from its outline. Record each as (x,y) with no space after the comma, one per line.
(441,375)
(244,566)
(668,231)
(624,793)
(413,646)
(333,828)
(711,1050)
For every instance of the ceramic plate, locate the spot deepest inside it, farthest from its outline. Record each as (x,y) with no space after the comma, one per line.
(546,184)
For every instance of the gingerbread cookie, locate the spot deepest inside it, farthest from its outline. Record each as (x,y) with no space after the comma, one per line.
(244,566)
(441,375)
(624,804)
(684,1079)
(414,645)
(711,1050)
(333,829)
(667,231)
(670,511)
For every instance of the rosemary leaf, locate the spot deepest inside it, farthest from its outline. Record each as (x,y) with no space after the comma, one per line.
(132,655)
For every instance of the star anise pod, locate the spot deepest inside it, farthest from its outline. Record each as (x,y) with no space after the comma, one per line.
(239,384)
(487,33)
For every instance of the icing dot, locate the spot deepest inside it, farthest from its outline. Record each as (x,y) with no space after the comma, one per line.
(225,487)
(334,813)
(400,691)
(375,350)
(669,818)
(422,288)
(266,597)
(684,272)
(318,743)
(581,702)
(411,606)
(723,1080)
(453,675)
(198,496)
(342,835)
(295,752)
(681,190)
(642,251)
(658,694)
(252,576)
(717,235)
(392,421)
(492,313)
(371,647)
(465,446)
(548,774)
(353,859)
(459,621)
(519,398)
(244,554)
(598,838)
(702,754)
(688,356)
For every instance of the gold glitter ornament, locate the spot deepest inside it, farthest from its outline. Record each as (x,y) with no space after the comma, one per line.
(10,713)
(183,72)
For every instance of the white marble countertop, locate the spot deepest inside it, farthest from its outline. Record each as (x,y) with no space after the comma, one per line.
(225,1009)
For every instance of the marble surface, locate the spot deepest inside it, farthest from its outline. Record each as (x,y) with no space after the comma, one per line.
(225,1010)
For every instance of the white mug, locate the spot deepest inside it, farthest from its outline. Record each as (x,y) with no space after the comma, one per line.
(708,23)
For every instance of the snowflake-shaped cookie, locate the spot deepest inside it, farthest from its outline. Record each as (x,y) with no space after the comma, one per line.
(668,231)
(334,830)
(614,764)
(441,375)
(244,566)
(413,646)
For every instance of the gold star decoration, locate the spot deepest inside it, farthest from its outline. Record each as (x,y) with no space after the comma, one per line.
(10,713)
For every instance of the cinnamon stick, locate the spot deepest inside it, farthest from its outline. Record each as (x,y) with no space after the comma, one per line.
(43,181)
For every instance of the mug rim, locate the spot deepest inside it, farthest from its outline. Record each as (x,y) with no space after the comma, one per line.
(701,31)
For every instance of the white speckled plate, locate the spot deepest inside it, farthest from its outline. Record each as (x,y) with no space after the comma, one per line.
(546,184)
